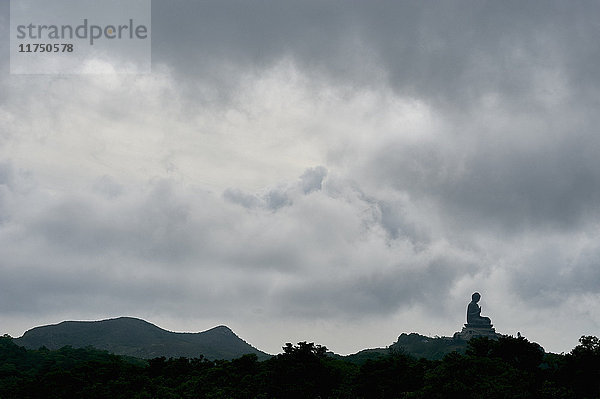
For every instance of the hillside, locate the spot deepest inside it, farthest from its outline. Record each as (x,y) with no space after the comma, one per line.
(413,344)
(138,338)
(430,348)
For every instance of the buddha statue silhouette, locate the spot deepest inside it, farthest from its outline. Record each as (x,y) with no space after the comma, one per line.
(474,317)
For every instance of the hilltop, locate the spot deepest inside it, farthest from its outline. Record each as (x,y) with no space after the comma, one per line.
(415,345)
(138,338)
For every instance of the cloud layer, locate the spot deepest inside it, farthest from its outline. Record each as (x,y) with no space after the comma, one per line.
(314,172)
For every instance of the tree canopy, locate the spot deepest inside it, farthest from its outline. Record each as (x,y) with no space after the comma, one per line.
(505,368)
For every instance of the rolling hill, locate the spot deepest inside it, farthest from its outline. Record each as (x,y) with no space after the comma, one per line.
(135,337)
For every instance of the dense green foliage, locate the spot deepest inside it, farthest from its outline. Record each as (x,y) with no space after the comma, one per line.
(506,368)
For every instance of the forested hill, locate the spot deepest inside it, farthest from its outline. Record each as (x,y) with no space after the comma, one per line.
(415,345)
(138,338)
(427,347)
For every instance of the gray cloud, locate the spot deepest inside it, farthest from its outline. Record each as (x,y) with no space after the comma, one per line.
(312,179)
(456,150)
(239,197)
(513,183)
(278,197)
(452,53)
(378,292)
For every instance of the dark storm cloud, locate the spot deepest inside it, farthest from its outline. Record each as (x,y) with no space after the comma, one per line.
(523,180)
(453,52)
(195,37)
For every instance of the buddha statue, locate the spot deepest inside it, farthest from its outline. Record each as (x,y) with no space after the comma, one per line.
(474,317)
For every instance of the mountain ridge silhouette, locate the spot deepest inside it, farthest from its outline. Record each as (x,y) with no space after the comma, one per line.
(130,336)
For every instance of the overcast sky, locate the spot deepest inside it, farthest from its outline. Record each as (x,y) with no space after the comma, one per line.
(337,172)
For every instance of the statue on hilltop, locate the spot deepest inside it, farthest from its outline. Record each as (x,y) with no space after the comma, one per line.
(477,325)
(474,316)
